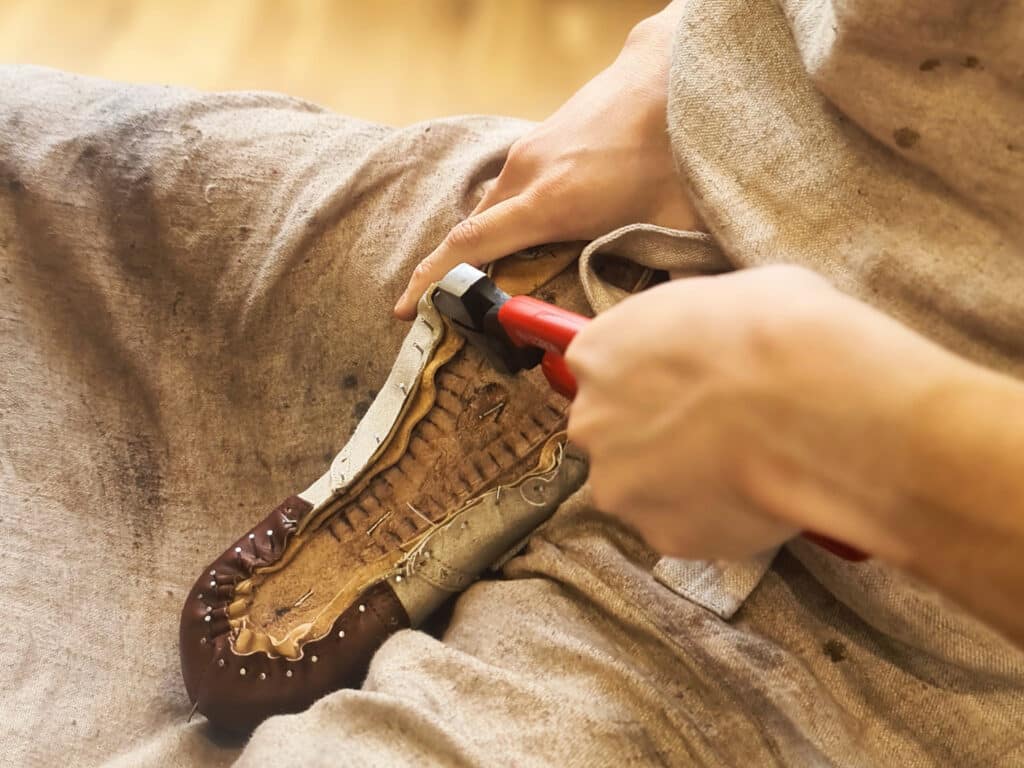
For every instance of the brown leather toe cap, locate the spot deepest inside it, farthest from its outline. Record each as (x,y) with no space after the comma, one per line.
(238,692)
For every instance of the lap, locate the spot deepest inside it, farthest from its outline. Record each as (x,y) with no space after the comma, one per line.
(579,656)
(196,292)
(196,304)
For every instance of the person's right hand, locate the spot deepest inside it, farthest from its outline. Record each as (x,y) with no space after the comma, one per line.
(602,161)
(722,414)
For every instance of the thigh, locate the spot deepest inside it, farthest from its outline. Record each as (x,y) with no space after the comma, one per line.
(196,294)
(580,657)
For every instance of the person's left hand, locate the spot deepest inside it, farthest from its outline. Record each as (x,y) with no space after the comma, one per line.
(723,414)
(603,160)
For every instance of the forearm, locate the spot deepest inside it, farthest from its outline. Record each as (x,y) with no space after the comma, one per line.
(898,447)
(964,523)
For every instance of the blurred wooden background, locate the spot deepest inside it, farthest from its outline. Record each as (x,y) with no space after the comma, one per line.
(393,61)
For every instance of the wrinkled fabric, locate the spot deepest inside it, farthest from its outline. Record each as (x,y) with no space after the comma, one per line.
(194,312)
(877,143)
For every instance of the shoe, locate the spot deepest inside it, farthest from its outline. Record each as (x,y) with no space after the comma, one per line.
(452,468)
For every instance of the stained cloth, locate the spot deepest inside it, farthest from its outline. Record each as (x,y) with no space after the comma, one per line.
(194,313)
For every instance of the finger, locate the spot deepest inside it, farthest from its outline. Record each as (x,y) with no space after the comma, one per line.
(496,191)
(503,229)
(578,427)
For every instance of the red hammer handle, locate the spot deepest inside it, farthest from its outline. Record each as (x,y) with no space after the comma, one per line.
(530,322)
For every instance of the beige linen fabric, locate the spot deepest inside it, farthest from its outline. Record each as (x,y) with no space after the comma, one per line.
(195,297)
(194,304)
(879,143)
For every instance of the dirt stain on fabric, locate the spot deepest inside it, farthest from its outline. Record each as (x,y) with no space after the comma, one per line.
(906,137)
(971,62)
(929,64)
(143,489)
(835,650)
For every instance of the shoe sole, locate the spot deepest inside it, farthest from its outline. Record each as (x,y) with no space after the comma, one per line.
(470,463)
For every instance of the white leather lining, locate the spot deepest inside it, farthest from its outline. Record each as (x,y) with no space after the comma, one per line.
(372,432)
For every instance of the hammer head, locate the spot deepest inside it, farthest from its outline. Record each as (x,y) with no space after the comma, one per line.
(471,301)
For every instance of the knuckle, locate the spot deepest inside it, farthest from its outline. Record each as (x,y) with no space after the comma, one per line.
(552,186)
(556,207)
(424,269)
(466,234)
(520,152)
(542,197)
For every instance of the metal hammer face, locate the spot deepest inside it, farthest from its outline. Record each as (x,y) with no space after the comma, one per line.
(465,295)
(471,300)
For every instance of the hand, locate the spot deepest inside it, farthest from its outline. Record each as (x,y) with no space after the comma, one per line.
(602,161)
(724,414)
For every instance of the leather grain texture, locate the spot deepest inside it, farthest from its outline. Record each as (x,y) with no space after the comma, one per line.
(236,692)
(453,466)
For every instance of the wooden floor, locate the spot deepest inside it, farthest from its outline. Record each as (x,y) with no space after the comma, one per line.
(387,60)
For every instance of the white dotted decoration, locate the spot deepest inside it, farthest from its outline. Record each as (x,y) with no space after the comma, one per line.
(241,671)
(220,662)
(213,584)
(314,659)
(238,550)
(341,634)
(263,675)
(252,536)
(362,609)
(207,618)
(398,577)
(270,532)
(288,673)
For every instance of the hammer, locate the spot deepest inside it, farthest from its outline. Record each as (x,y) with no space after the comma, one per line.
(513,332)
